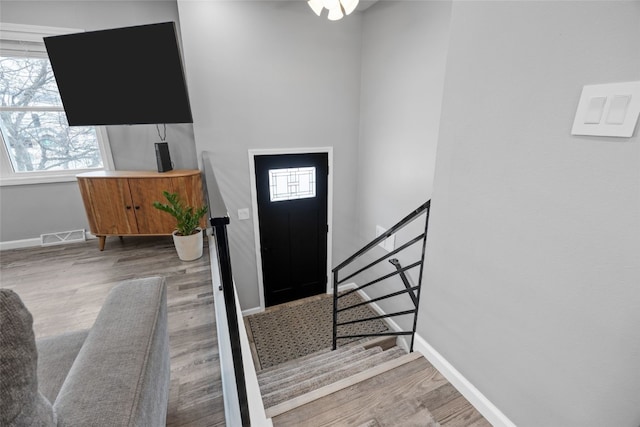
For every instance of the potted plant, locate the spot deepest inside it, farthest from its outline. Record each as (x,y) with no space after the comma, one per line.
(187,237)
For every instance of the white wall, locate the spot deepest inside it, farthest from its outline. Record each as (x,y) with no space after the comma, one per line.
(272,75)
(534,247)
(26,211)
(403,64)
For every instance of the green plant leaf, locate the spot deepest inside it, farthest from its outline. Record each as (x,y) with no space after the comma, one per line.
(187,220)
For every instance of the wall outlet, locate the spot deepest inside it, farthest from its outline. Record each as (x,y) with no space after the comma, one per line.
(387,244)
(243,213)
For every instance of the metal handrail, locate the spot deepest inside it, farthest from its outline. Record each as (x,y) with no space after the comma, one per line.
(395,251)
(403,222)
(412,291)
(219,219)
(405,279)
(381,278)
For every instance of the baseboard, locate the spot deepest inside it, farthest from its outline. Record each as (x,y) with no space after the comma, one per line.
(472,394)
(347,287)
(468,390)
(250,311)
(29,243)
(18,244)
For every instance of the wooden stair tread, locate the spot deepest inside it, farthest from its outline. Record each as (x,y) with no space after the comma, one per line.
(340,384)
(384,343)
(294,390)
(318,360)
(304,360)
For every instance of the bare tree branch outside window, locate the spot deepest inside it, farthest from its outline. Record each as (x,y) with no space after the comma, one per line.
(33,124)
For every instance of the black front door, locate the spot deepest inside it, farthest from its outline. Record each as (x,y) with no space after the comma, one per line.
(292,213)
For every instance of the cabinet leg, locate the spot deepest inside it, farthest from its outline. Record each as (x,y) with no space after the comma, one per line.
(101,242)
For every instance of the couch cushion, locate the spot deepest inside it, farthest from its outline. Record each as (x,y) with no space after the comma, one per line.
(121,374)
(55,357)
(21,404)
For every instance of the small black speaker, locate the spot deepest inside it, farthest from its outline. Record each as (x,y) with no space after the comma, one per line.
(162,157)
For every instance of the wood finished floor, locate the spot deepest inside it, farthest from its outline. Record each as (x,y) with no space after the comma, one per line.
(65,286)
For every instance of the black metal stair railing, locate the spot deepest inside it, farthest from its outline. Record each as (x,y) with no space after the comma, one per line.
(413,291)
(219,219)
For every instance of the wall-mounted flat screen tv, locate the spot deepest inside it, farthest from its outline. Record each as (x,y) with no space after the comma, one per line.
(120,76)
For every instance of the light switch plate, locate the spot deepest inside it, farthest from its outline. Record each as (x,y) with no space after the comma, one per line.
(243,213)
(608,110)
(387,244)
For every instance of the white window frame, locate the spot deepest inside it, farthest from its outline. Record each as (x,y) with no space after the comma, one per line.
(27,40)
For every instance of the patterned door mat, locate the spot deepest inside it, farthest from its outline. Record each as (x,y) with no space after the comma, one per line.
(295,330)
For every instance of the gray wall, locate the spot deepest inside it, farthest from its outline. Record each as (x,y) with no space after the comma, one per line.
(404,51)
(272,75)
(534,247)
(26,211)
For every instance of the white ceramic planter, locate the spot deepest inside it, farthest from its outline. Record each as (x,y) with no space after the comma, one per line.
(189,248)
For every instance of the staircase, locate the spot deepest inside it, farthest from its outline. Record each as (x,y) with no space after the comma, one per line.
(301,381)
(292,384)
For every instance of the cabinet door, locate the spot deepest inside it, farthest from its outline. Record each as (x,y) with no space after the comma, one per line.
(144,192)
(190,189)
(109,206)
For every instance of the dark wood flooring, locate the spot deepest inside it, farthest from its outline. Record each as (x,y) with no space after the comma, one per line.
(64,287)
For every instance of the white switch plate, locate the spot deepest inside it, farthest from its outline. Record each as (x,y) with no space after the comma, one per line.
(608,110)
(387,244)
(243,213)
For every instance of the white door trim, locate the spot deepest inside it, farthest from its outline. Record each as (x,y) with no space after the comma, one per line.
(254,205)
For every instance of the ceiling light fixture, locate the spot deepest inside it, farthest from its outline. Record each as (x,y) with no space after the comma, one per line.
(337,8)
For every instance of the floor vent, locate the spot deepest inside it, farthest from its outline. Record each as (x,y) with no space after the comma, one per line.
(62,237)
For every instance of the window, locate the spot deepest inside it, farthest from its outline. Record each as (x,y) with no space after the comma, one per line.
(292,183)
(37,143)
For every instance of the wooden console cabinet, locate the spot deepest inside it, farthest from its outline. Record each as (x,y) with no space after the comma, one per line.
(120,203)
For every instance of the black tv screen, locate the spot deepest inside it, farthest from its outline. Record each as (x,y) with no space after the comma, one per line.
(120,76)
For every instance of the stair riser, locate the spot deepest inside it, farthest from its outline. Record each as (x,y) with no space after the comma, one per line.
(310,365)
(327,366)
(302,361)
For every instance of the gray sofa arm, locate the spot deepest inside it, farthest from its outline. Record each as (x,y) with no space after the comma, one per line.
(121,374)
